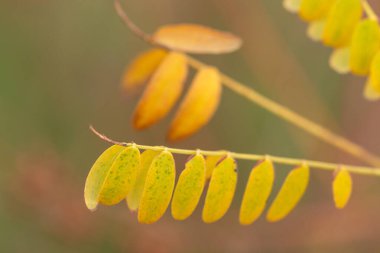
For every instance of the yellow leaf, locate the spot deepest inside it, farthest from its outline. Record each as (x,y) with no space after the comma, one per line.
(211,162)
(198,106)
(162,92)
(364,45)
(315,29)
(197,39)
(291,5)
(257,191)
(189,188)
(158,189)
(98,174)
(134,196)
(311,10)
(121,176)
(290,194)
(220,191)
(340,60)
(372,89)
(142,67)
(342,188)
(341,21)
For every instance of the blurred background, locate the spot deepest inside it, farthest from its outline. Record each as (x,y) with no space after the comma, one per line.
(60,69)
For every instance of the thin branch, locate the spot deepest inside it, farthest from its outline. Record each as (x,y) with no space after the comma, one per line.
(277,109)
(251,157)
(369,11)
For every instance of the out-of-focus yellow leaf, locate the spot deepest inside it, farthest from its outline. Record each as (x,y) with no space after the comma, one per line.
(142,67)
(311,10)
(211,162)
(257,191)
(198,106)
(341,21)
(315,29)
(189,188)
(220,191)
(290,194)
(197,39)
(121,176)
(340,60)
(292,5)
(158,188)
(372,89)
(364,45)
(162,92)
(342,188)
(98,174)
(134,196)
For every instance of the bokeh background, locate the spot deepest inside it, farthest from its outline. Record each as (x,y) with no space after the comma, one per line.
(60,69)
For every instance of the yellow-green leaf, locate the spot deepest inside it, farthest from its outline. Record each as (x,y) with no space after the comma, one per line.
(341,21)
(121,176)
(372,89)
(211,162)
(142,67)
(342,188)
(198,106)
(191,38)
(162,92)
(364,45)
(158,189)
(311,10)
(290,194)
(189,188)
(257,191)
(315,29)
(291,5)
(134,196)
(340,60)
(220,191)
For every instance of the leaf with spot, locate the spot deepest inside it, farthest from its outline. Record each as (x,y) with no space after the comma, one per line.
(112,176)
(162,92)
(189,188)
(134,196)
(290,194)
(197,39)
(257,191)
(198,106)
(220,191)
(158,188)
(342,188)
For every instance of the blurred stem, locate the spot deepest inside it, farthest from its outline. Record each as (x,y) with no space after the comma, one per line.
(251,157)
(277,109)
(369,11)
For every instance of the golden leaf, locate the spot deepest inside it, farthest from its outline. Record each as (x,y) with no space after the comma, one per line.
(220,191)
(341,21)
(134,196)
(197,39)
(291,5)
(211,162)
(142,67)
(290,194)
(342,188)
(162,92)
(340,60)
(189,188)
(257,191)
(364,45)
(311,10)
(315,29)
(158,188)
(372,89)
(198,106)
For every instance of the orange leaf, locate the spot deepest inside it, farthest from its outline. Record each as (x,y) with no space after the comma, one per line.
(142,67)
(162,92)
(198,106)
(197,39)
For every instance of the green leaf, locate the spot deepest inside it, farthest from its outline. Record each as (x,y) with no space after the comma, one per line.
(189,188)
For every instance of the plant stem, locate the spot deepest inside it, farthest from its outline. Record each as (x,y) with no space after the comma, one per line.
(251,157)
(277,109)
(369,11)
